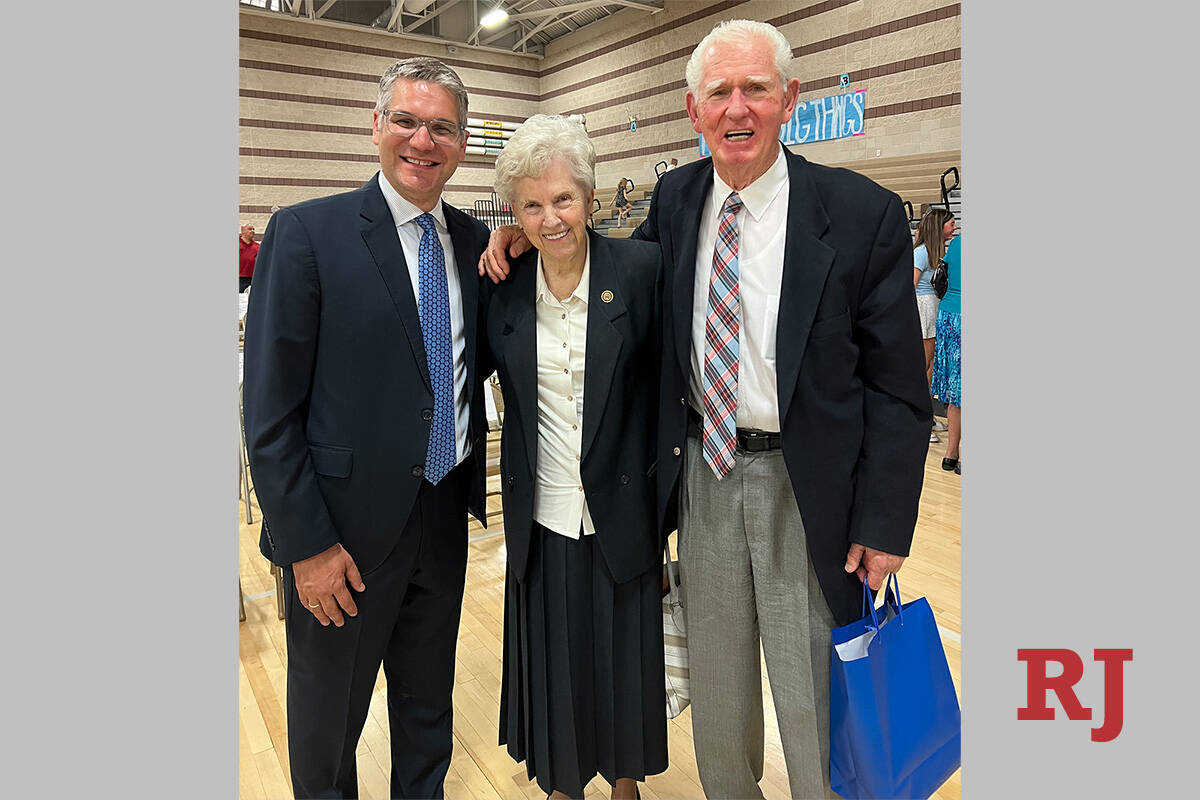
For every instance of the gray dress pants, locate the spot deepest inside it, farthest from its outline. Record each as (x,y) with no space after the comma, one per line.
(747,577)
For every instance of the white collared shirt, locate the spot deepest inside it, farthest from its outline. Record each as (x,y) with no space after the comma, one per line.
(405,214)
(762,228)
(559,502)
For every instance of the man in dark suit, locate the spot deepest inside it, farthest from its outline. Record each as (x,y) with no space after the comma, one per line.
(794,416)
(365,425)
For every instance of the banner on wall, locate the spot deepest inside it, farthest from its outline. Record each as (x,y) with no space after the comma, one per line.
(820,119)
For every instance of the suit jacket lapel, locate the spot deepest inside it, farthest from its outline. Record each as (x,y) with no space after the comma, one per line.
(468,281)
(685,227)
(379,233)
(603,339)
(806,264)
(519,343)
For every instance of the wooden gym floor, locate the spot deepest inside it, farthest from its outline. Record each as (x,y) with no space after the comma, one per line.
(481,769)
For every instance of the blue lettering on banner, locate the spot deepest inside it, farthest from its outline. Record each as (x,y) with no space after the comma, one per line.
(821,119)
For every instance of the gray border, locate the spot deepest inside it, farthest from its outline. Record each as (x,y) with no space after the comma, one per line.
(1078,522)
(119,324)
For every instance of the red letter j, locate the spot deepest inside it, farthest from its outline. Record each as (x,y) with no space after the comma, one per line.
(1114,687)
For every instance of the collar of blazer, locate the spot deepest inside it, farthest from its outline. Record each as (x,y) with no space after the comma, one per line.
(379,234)
(806,264)
(604,339)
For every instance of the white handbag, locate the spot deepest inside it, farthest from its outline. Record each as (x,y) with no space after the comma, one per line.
(675,647)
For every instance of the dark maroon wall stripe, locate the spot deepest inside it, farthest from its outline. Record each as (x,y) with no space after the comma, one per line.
(882,29)
(344,103)
(302,126)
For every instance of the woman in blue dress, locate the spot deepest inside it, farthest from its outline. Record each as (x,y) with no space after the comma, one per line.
(947,359)
(935,230)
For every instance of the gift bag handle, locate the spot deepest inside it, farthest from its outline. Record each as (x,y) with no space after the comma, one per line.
(892,586)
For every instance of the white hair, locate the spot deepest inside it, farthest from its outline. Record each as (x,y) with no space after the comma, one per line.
(542,138)
(740,31)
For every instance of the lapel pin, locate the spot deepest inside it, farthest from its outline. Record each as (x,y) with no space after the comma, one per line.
(606,296)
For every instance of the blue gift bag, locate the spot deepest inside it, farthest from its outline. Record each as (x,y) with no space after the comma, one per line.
(894,724)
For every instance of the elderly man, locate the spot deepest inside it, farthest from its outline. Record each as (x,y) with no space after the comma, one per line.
(365,428)
(794,419)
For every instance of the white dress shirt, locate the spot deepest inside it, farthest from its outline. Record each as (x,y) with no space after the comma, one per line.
(559,502)
(405,214)
(762,227)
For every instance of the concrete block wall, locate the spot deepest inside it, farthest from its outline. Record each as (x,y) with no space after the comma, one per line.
(306,93)
(905,53)
(307,89)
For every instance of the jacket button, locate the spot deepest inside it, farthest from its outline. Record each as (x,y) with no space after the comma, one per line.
(624,479)
(682,402)
(418,471)
(426,414)
(676,451)
(511,480)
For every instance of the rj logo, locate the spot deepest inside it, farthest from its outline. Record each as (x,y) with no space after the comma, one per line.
(1038,683)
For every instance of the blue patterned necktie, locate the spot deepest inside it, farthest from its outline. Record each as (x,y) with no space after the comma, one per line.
(434,308)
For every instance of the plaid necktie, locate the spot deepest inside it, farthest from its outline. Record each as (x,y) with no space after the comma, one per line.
(720,384)
(434,308)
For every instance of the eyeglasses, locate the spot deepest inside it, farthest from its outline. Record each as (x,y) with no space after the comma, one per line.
(404,125)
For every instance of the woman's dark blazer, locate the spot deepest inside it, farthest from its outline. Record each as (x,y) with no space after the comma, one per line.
(620,400)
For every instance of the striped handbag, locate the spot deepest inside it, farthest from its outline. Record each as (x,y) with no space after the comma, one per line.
(675,647)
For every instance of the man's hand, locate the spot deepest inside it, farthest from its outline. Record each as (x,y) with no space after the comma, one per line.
(506,239)
(321,585)
(870,565)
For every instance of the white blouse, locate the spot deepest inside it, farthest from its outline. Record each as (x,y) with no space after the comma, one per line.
(559,502)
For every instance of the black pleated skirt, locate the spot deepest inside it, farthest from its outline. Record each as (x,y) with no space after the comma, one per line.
(583,688)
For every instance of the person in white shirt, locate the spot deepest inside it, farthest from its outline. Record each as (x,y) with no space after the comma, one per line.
(365,431)
(794,415)
(575,340)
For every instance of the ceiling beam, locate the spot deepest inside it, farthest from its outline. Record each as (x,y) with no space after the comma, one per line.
(632,4)
(564,9)
(391,26)
(538,29)
(321,11)
(446,4)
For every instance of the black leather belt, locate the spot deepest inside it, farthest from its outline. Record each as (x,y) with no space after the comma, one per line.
(748,439)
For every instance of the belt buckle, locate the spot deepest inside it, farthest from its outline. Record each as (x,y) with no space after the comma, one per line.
(754,441)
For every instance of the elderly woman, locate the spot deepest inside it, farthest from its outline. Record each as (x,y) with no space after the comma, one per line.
(574,335)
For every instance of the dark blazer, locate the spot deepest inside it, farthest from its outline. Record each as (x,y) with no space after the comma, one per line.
(620,398)
(853,403)
(337,395)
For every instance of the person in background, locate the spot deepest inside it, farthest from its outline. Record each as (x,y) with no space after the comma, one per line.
(621,203)
(583,672)
(793,414)
(674,163)
(933,232)
(947,360)
(247,255)
(366,429)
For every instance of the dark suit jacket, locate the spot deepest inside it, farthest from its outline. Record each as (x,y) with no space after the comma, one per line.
(620,398)
(337,395)
(853,402)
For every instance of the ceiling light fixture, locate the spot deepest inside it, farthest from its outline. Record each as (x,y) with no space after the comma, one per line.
(494,17)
